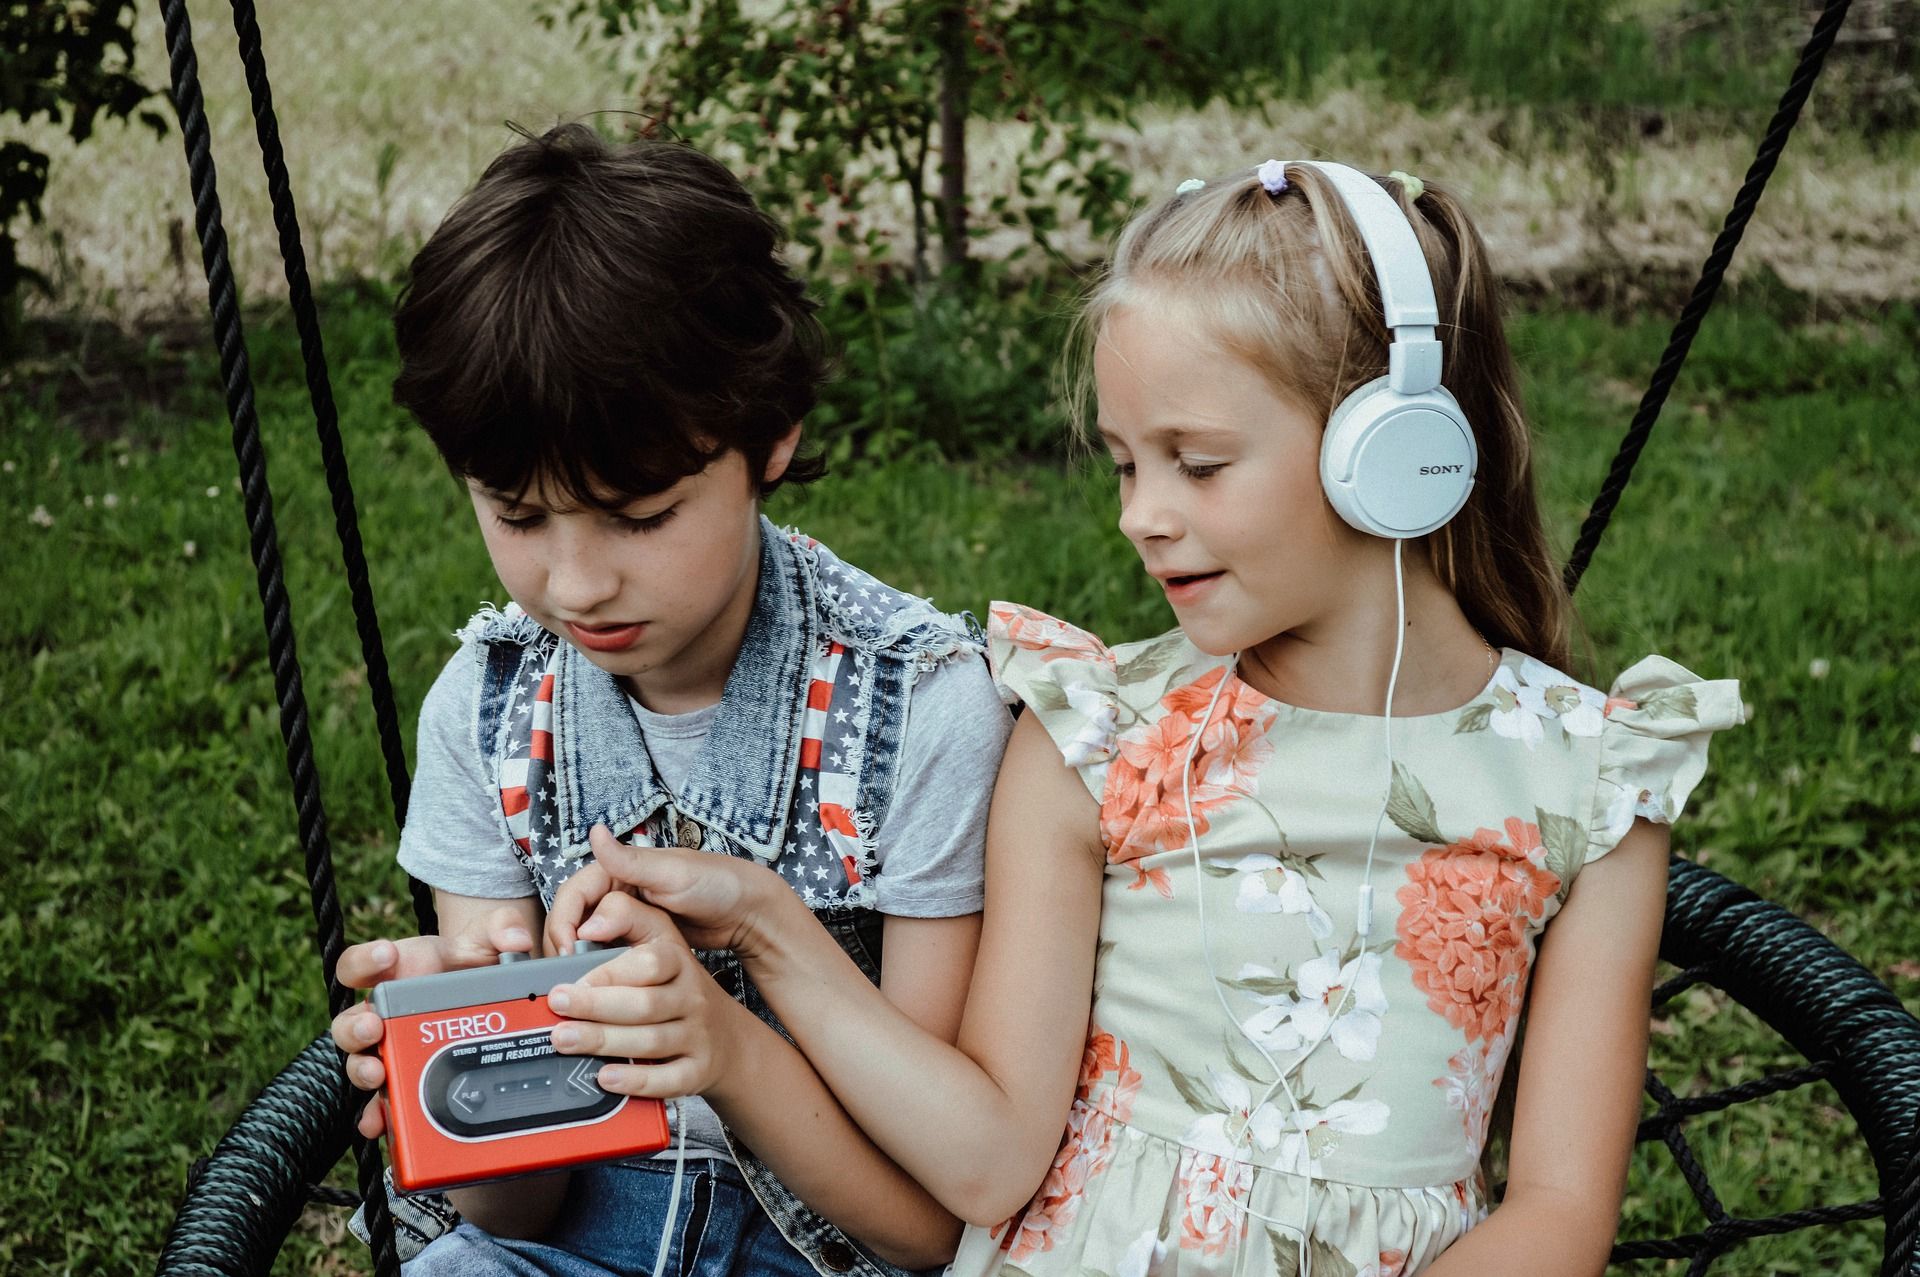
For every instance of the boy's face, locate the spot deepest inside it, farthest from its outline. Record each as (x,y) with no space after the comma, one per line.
(657,593)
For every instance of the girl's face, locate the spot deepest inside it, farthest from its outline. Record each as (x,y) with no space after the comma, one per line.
(1219,483)
(657,593)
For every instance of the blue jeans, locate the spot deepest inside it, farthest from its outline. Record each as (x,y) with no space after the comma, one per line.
(611,1223)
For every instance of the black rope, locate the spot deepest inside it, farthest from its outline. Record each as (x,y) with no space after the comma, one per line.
(1771,145)
(1680,984)
(1679,1108)
(237,377)
(1724,1233)
(326,423)
(1683,1156)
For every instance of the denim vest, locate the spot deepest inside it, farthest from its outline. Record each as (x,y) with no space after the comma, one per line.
(797,770)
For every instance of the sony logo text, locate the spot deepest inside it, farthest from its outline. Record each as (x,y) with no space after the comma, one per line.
(1441,469)
(462,1026)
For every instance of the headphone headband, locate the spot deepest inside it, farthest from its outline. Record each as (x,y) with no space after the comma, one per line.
(1406,288)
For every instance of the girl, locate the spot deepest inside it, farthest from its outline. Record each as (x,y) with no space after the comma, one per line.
(1299,851)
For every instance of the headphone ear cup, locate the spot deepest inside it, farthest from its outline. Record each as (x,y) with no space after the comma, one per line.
(1395,465)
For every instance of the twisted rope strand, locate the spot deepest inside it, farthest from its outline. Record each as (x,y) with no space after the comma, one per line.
(326,423)
(1719,1236)
(1682,1107)
(237,377)
(1668,371)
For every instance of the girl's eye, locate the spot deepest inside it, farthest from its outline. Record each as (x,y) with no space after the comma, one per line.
(1123,469)
(518,522)
(647,523)
(1205,471)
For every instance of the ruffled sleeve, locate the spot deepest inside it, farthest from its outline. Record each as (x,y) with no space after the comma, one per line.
(1065,676)
(1653,746)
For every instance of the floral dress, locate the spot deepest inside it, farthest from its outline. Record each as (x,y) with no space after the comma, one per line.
(1272,1076)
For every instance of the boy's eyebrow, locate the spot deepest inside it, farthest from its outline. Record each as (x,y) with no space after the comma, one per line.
(494,494)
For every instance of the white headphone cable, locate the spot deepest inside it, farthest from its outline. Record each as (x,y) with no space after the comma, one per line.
(673,1194)
(1363,928)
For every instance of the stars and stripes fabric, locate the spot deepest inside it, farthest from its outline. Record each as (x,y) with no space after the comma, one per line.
(526,776)
(827,860)
(827,857)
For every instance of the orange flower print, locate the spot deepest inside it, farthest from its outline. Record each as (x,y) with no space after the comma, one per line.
(1467,914)
(1143,807)
(1473,1078)
(1053,639)
(1239,752)
(1085,1150)
(1213,1191)
(1390,1264)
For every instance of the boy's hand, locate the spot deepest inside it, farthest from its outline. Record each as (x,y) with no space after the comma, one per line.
(717,900)
(653,1003)
(357,1030)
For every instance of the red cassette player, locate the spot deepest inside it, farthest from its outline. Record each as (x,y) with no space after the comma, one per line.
(475,1090)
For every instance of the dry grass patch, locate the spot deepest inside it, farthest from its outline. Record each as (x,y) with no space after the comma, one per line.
(389,112)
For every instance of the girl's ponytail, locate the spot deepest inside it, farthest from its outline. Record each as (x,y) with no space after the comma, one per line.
(1494,555)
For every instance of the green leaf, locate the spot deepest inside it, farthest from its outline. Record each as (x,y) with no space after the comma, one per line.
(1409,808)
(1199,1097)
(1266,986)
(1327,1261)
(1474,718)
(1145,665)
(1670,702)
(1286,1253)
(1247,1074)
(1048,697)
(1566,843)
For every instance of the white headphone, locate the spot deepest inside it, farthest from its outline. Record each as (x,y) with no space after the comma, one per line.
(1398,456)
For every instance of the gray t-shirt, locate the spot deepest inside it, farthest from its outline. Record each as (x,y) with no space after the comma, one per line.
(929,850)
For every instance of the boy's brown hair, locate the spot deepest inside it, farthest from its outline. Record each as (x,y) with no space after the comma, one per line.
(606,319)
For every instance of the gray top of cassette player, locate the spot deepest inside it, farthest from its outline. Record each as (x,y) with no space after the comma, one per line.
(516,976)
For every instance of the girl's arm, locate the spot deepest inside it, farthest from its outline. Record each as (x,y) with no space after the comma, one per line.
(976,1123)
(658,1004)
(1581,1074)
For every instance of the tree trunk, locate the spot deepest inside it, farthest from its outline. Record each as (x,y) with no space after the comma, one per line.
(955,80)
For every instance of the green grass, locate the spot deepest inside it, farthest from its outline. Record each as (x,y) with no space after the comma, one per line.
(156,946)
(1549,54)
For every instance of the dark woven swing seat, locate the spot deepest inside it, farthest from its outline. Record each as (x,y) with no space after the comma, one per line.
(1832,1010)
(242,1201)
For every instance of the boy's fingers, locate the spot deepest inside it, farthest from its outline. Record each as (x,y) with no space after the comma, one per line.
(356,1028)
(366,1072)
(504,932)
(373,1119)
(362,966)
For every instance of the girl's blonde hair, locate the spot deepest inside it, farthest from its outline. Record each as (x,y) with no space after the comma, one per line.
(1284,282)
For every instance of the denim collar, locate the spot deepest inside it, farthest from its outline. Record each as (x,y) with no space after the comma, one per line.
(742,783)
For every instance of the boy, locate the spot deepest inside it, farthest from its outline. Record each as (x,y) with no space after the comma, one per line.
(606,345)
